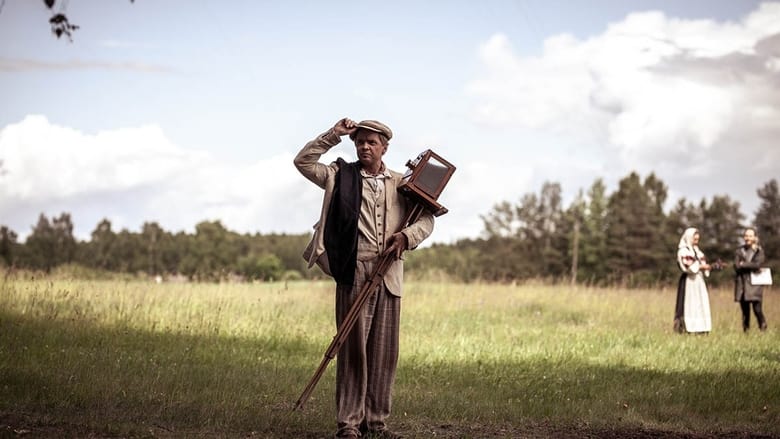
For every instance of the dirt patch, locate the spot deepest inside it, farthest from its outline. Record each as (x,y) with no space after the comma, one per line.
(28,426)
(549,430)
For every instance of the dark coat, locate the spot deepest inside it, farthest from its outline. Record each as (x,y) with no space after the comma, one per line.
(743,289)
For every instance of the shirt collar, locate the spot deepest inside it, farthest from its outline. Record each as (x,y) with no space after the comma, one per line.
(384,173)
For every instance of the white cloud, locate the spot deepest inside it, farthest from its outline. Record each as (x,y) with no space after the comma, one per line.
(530,91)
(133,175)
(691,97)
(43,161)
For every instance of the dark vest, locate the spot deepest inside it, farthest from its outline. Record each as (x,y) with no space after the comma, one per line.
(341,225)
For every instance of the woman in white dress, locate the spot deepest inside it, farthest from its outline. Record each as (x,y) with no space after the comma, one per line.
(692,313)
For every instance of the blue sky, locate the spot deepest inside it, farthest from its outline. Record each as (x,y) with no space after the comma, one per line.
(179,112)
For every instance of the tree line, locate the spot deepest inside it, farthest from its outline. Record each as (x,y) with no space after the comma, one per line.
(623,238)
(212,253)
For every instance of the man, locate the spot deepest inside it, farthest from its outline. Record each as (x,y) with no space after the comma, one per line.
(360,219)
(749,258)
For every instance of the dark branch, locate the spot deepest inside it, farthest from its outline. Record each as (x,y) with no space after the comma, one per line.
(59,22)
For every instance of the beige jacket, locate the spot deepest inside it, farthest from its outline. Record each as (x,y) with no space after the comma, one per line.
(307,162)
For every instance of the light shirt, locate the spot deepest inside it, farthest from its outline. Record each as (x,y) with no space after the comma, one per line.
(372,232)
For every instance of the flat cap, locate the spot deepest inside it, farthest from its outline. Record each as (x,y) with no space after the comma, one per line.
(375,126)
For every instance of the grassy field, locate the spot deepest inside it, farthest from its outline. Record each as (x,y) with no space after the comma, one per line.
(138,359)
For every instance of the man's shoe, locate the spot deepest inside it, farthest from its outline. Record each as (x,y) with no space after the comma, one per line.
(349,434)
(383,434)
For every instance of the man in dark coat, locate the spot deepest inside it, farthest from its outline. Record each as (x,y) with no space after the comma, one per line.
(747,259)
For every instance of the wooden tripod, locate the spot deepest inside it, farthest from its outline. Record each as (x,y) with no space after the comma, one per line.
(354,311)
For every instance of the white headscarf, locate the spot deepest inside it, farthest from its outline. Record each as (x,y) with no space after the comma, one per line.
(687,238)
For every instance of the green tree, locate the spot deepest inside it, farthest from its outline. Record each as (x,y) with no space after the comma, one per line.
(553,231)
(64,239)
(7,246)
(187,263)
(636,221)
(266,267)
(502,221)
(288,248)
(575,216)
(39,247)
(101,250)
(152,236)
(593,261)
(509,239)
(721,228)
(212,253)
(767,220)
(460,261)
(129,252)
(658,251)
(528,239)
(170,253)
(50,243)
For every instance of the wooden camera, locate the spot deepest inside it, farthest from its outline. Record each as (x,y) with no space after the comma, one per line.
(425,179)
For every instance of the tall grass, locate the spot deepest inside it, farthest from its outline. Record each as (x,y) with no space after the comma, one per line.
(137,358)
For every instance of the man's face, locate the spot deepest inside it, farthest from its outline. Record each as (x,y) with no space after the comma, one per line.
(369,149)
(750,237)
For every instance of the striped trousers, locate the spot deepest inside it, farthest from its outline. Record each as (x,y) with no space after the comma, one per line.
(366,362)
